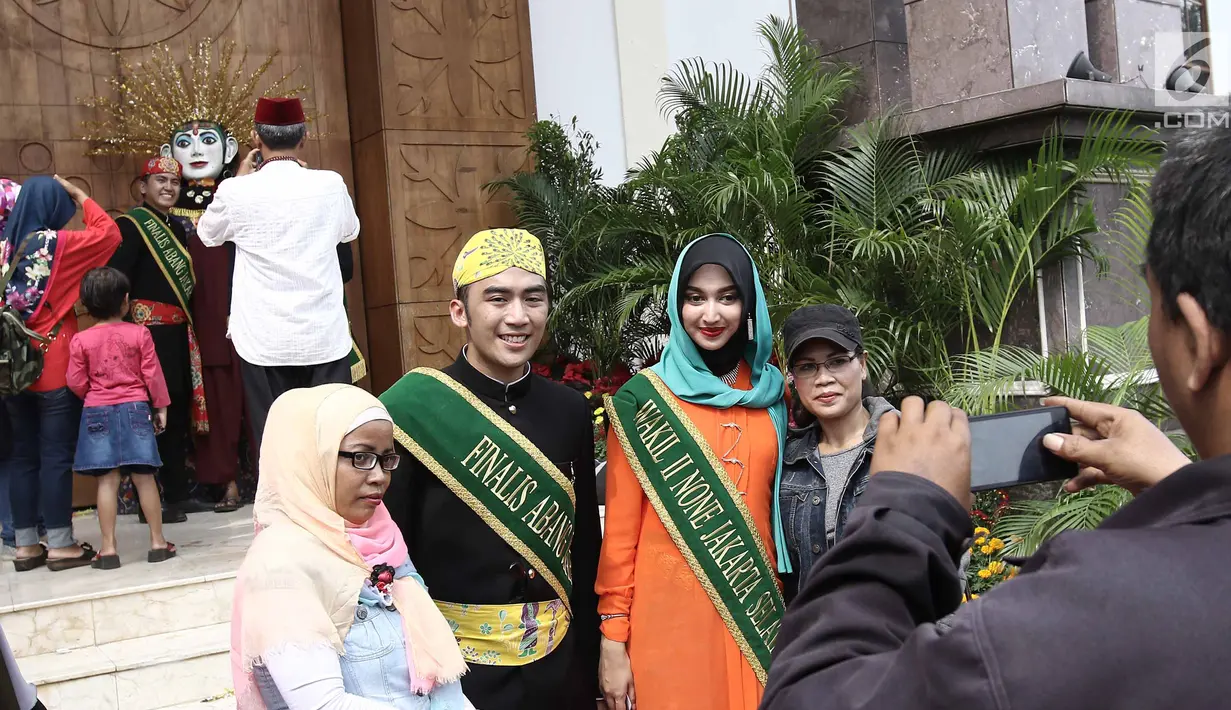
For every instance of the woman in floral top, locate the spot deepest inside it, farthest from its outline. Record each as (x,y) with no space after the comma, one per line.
(48,268)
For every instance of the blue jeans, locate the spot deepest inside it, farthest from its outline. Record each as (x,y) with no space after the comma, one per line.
(40,469)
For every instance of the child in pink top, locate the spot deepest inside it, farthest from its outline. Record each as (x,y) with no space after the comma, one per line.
(113,367)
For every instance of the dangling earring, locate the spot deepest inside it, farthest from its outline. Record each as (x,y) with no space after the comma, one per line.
(751,335)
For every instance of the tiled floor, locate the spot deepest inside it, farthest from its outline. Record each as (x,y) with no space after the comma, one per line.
(211,546)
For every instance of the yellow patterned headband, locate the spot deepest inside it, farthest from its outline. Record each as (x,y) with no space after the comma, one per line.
(495,251)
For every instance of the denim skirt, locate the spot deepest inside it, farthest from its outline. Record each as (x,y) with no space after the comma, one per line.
(117,436)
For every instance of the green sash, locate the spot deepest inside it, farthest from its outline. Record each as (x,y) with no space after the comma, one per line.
(503,477)
(171,256)
(705,515)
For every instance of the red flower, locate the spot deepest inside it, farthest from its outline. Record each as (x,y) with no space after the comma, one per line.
(541,370)
(578,372)
(613,381)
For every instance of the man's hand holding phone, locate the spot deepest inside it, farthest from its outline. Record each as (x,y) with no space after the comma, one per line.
(1113,445)
(932,443)
(250,163)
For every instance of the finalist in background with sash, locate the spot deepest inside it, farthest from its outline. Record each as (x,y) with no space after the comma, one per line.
(703,512)
(176,265)
(491,466)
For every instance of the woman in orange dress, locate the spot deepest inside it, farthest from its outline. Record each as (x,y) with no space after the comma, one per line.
(670,639)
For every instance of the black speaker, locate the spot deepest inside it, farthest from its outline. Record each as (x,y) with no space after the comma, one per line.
(1081,68)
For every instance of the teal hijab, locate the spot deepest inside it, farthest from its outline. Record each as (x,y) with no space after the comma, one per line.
(690,379)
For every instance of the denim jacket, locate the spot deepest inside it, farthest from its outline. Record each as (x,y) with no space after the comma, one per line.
(803,493)
(375,665)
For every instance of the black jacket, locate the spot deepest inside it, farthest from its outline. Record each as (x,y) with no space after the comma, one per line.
(463,560)
(147,282)
(1132,615)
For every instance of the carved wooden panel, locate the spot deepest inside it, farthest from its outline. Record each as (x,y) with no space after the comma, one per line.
(429,337)
(439,201)
(447,91)
(460,65)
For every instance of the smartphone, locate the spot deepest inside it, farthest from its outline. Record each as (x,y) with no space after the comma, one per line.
(258,159)
(1007,449)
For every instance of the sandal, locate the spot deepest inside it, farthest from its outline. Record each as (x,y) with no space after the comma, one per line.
(101,561)
(86,557)
(228,505)
(25,564)
(161,554)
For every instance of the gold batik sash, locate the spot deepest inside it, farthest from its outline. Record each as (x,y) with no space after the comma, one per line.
(491,466)
(705,515)
(506,634)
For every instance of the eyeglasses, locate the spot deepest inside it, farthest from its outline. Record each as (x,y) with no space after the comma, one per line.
(834,365)
(366,460)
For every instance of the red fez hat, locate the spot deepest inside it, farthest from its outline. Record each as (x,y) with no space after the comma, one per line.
(162,166)
(279,111)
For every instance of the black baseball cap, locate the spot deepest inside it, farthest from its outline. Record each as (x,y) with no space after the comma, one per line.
(827,322)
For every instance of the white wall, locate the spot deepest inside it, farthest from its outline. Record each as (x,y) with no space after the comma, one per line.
(577,73)
(1219,15)
(603,61)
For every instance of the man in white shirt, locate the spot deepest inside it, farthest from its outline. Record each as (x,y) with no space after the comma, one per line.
(288,225)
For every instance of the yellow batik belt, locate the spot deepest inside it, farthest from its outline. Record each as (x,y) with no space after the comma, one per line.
(506,634)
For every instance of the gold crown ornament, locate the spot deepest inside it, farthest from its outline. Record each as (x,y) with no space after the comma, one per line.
(158,97)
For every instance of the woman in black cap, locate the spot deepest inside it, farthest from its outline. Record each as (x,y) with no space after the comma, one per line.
(829,451)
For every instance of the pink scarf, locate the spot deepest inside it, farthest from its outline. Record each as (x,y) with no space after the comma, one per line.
(380,542)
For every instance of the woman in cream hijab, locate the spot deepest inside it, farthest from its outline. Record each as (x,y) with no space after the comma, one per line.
(329,613)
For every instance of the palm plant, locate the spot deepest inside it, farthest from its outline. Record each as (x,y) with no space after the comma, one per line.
(930,247)
(1116,369)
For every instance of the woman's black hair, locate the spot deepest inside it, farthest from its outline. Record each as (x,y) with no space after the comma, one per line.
(103,291)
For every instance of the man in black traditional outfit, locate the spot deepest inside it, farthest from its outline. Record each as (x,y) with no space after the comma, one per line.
(496,494)
(154,256)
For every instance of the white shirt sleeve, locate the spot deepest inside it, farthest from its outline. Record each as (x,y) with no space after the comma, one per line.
(311,679)
(214,228)
(350,222)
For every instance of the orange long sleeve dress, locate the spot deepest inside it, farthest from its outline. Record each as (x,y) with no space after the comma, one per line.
(683,656)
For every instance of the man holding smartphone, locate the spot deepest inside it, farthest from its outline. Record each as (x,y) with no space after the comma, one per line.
(289,226)
(1132,615)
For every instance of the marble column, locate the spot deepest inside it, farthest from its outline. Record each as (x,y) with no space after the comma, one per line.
(965,48)
(1124,33)
(870,34)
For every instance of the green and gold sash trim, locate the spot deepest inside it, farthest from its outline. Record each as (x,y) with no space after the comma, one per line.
(494,468)
(171,256)
(358,366)
(703,512)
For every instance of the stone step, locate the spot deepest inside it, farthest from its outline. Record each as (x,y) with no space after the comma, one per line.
(226,703)
(146,673)
(45,612)
(118,615)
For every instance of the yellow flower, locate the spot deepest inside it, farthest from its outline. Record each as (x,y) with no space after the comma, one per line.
(1012,573)
(996,567)
(980,540)
(986,549)
(589,395)
(996,543)
(984,573)
(598,411)
(974,596)
(982,531)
